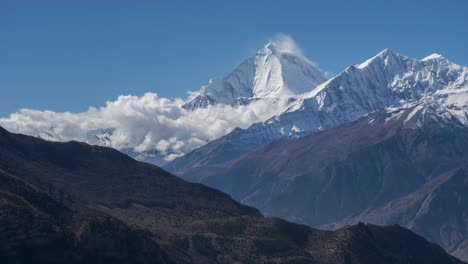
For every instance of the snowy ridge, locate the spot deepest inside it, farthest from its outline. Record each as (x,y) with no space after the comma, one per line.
(415,115)
(386,80)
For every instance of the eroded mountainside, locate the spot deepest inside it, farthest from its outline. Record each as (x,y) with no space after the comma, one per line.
(396,166)
(75,203)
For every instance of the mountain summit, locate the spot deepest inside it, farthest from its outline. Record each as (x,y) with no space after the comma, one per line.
(278,70)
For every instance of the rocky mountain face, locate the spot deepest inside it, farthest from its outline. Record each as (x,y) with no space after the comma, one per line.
(386,80)
(436,210)
(397,165)
(75,203)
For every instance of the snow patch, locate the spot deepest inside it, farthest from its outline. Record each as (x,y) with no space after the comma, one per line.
(432,57)
(412,113)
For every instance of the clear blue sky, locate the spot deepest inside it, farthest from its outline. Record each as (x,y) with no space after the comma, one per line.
(67,55)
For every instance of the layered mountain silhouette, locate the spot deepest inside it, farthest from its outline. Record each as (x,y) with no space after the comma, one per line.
(341,171)
(75,203)
(397,165)
(383,142)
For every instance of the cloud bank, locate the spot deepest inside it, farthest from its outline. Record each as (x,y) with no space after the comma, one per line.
(145,123)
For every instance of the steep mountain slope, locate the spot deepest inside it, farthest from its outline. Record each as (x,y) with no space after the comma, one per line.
(341,172)
(386,80)
(106,176)
(438,210)
(74,203)
(36,228)
(277,71)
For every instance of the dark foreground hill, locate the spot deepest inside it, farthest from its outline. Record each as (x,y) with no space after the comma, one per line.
(75,203)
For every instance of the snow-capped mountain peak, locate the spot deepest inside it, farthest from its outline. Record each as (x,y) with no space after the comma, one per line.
(279,70)
(385,57)
(386,61)
(283,71)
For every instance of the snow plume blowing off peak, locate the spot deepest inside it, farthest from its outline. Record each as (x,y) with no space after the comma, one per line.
(283,43)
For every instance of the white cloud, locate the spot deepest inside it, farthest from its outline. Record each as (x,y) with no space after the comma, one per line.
(143,123)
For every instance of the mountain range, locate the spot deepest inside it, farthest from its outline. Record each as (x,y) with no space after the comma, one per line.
(278,86)
(395,164)
(75,203)
(383,142)
(359,168)
(384,81)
